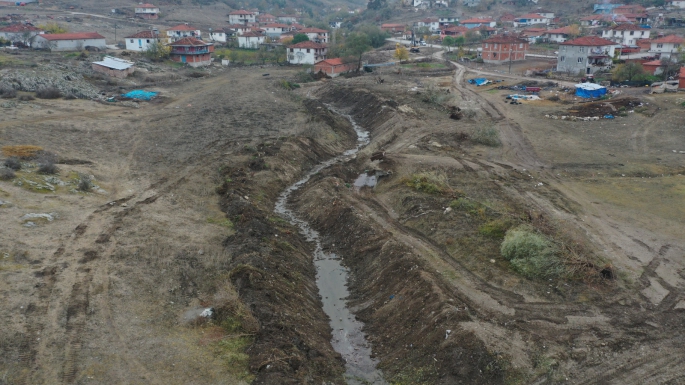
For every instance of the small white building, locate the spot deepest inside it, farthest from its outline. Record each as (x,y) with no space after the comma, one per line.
(182,31)
(242,17)
(447,20)
(666,46)
(433,23)
(70,41)
(289,18)
(112,66)
(626,34)
(558,35)
(147,11)
(251,40)
(675,3)
(20,33)
(530,19)
(239,29)
(142,40)
(275,30)
(307,52)
(545,13)
(315,34)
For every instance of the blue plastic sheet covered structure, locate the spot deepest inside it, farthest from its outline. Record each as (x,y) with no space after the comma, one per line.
(478,81)
(140,95)
(590,90)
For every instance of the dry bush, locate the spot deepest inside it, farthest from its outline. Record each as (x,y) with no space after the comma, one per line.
(84,183)
(26,98)
(13,163)
(8,93)
(22,151)
(70,97)
(49,93)
(46,162)
(6,174)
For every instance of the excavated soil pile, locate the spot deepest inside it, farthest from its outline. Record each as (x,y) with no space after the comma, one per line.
(601,108)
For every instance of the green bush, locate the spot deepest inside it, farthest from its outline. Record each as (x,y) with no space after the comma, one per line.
(531,254)
(495,229)
(425,183)
(487,136)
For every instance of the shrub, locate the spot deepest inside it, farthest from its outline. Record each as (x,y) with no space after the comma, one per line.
(84,183)
(26,98)
(46,162)
(426,183)
(496,229)
(22,151)
(13,163)
(8,93)
(288,85)
(49,93)
(553,98)
(487,136)
(531,254)
(70,97)
(6,174)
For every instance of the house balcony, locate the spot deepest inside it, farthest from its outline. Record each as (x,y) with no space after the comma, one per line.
(196,51)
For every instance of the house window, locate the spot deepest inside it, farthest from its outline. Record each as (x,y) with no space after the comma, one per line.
(520,45)
(632,33)
(562,58)
(659,46)
(147,41)
(486,45)
(676,46)
(307,50)
(131,40)
(581,49)
(495,45)
(580,60)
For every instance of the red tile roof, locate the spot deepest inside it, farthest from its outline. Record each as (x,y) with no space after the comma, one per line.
(72,36)
(307,44)
(674,39)
(628,27)
(532,16)
(241,12)
(145,6)
(652,63)
(20,28)
(143,35)
(476,21)
(190,41)
(183,27)
(332,62)
(592,41)
(312,30)
(563,30)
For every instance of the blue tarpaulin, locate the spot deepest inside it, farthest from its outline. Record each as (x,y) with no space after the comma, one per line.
(478,81)
(590,90)
(140,94)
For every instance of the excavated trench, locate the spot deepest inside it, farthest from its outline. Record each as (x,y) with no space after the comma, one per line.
(332,277)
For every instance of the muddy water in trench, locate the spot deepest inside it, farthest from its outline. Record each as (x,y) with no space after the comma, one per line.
(331,278)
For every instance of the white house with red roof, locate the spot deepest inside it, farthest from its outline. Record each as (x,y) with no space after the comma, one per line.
(142,40)
(276,29)
(558,35)
(251,40)
(587,54)
(307,52)
(242,17)
(239,29)
(20,33)
(675,3)
(433,23)
(667,46)
(183,30)
(266,18)
(70,41)
(626,34)
(531,19)
(315,34)
(147,11)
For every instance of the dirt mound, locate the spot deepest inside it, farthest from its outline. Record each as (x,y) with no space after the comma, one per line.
(601,108)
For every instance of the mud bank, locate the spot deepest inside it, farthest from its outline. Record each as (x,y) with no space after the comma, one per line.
(411,316)
(272,266)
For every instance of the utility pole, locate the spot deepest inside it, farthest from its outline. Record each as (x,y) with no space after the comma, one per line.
(115,33)
(510,51)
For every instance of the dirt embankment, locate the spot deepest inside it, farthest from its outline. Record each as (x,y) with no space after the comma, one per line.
(272,268)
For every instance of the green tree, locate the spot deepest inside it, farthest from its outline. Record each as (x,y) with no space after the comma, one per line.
(53,28)
(401,53)
(300,37)
(448,42)
(157,51)
(375,35)
(376,4)
(356,44)
(628,72)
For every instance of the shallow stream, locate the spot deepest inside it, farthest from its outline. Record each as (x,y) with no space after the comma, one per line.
(331,278)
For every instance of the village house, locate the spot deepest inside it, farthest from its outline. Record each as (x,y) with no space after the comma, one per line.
(477,23)
(289,19)
(315,34)
(544,13)
(392,28)
(142,40)
(533,35)
(266,18)
(307,52)
(675,4)
(221,35)
(558,35)
(182,31)
(504,48)
(335,24)
(507,18)
(251,40)
(432,23)
(626,34)
(239,29)
(20,33)
(530,19)
(242,17)
(456,30)
(653,67)
(605,7)
(333,67)
(275,30)
(666,46)
(586,55)
(70,41)
(191,51)
(115,67)
(631,9)
(146,11)
(446,21)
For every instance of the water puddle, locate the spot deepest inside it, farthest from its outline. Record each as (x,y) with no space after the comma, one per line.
(331,278)
(369,179)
